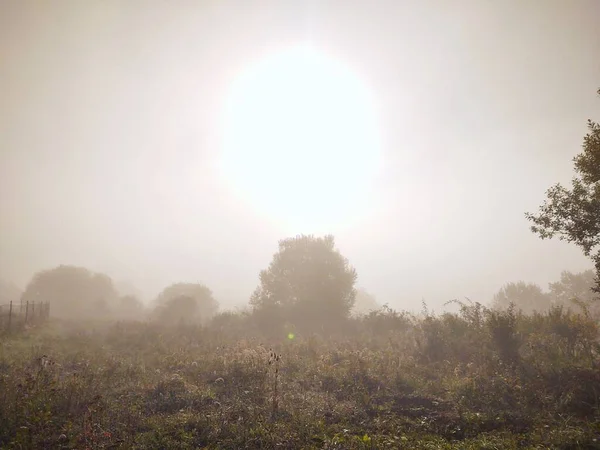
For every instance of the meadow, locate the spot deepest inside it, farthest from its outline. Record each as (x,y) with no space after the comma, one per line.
(474,379)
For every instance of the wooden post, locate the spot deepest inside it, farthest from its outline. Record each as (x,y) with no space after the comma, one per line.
(26,311)
(9,315)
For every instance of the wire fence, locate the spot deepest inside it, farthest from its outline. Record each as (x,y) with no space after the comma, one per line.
(16,316)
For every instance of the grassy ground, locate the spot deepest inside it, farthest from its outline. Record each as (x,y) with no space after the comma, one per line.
(467,381)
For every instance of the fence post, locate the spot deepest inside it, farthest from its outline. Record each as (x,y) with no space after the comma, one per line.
(26,311)
(9,315)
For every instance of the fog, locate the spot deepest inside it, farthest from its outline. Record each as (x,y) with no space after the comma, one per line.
(109,139)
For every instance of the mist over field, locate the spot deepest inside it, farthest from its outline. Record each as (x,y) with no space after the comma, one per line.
(111,141)
(324,225)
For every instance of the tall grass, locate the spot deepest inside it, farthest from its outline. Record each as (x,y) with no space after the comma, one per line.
(473,379)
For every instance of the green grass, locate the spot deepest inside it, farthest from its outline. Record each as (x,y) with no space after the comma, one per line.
(451,382)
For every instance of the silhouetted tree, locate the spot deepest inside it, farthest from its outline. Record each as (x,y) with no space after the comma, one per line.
(179,309)
(574,214)
(197,293)
(73,292)
(527,297)
(308,282)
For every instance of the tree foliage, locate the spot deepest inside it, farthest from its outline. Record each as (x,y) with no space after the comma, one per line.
(573,286)
(72,291)
(307,282)
(575,289)
(179,309)
(574,214)
(527,297)
(189,301)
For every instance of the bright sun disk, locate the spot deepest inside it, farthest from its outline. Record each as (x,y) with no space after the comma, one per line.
(301,142)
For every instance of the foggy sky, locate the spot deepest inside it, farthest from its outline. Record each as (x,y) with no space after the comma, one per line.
(108,143)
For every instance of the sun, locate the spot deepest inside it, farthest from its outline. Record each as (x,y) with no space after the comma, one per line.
(301,141)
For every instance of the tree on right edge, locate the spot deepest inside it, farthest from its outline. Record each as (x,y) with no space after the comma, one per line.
(574,214)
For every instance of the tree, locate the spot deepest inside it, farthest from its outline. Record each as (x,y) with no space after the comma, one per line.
(307,282)
(178,309)
(74,292)
(527,297)
(574,214)
(574,286)
(200,295)
(365,303)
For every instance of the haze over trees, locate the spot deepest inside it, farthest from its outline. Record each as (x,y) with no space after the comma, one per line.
(365,302)
(130,307)
(573,290)
(574,286)
(187,302)
(73,292)
(573,214)
(528,297)
(311,285)
(126,288)
(308,281)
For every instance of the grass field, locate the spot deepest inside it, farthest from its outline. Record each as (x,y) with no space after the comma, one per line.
(476,379)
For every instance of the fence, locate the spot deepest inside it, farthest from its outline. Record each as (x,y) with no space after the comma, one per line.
(15,316)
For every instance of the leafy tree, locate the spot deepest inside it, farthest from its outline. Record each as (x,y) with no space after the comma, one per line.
(73,292)
(574,214)
(307,282)
(178,309)
(197,293)
(527,297)
(575,286)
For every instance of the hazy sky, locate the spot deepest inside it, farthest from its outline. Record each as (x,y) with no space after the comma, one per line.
(109,137)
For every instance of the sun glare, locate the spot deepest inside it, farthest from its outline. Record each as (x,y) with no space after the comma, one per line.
(301,142)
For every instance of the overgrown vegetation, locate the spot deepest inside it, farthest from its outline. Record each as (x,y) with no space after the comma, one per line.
(475,379)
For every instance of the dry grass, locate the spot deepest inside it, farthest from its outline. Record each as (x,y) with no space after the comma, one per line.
(477,379)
